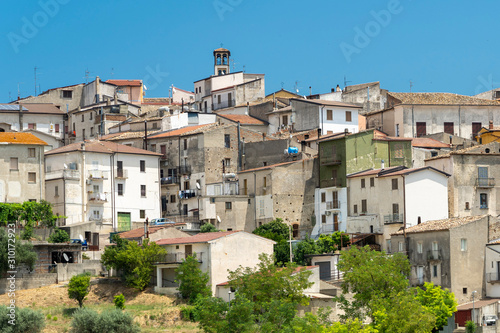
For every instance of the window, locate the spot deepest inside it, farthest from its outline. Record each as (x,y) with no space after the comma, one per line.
(227,162)
(218,99)
(483,200)
(245,187)
(323,218)
(400,247)
(395,184)
(120,189)
(91,115)
(363,206)
(172,198)
(419,248)
(227,141)
(96,189)
(435,246)
(363,183)
(31,177)
(395,209)
(323,197)
(355,209)
(448,128)
(389,247)
(143,190)
(464,291)
(229,205)
(398,150)
(186,185)
(372,181)
(285,120)
(329,115)
(421,129)
(57,128)
(32,126)
(96,215)
(163,150)
(476,127)
(142,165)
(397,130)
(67,94)
(142,213)
(265,181)
(434,270)
(91,131)
(31,152)
(467,206)
(295,232)
(463,244)
(56,191)
(83,134)
(348,116)
(83,118)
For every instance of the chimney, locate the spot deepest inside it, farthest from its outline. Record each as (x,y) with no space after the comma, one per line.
(491,125)
(338,88)
(382,164)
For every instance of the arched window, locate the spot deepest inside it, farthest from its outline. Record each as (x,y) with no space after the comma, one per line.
(225,59)
(218,59)
(2,130)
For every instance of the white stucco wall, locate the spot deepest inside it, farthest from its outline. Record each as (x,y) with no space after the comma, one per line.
(320,209)
(338,123)
(426,195)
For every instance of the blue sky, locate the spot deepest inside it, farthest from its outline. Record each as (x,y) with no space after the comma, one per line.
(445,46)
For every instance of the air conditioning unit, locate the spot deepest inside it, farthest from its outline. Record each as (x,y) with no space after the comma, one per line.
(328,213)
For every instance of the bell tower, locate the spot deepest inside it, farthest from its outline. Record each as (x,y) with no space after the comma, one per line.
(221,61)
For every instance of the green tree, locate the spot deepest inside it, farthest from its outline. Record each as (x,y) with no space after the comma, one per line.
(24,253)
(438,301)
(275,230)
(119,301)
(79,287)
(136,262)
(192,281)
(470,326)
(332,242)
(25,320)
(208,227)
(59,236)
(302,249)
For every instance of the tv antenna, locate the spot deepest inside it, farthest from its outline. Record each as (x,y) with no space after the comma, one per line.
(296,87)
(345,81)
(411,85)
(233,64)
(19,90)
(35,79)
(112,71)
(87,73)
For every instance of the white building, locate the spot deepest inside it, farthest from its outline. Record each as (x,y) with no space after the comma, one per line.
(103,182)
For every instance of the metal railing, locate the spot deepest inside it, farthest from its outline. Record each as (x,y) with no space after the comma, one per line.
(393,218)
(485,182)
(331,160)
(493,277)
(169,180)
(333,204)
(223,104)
(184,169)
(65,173)
(98,174)
(121,173)
(98,196)
(335,182)
(178,257)
(434,255)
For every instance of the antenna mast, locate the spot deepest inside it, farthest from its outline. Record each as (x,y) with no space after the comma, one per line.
(411,85)
(346,82)
(35,80)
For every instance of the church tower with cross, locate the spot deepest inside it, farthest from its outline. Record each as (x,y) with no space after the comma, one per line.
(221,61)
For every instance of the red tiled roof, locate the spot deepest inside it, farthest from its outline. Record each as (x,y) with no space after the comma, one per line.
(97,146)
(139,232)
(242,119)
(328,103)
(371,172)
(199,238)
(439,225)
(477,304)
(428,143)
(180,131)
(45,108)
(408,171)
(21,138)
(133,83)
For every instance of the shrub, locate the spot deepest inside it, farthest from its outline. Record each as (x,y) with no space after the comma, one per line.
(208,227)
(470,326)
(192,281)
(26,320)
(78,287)
(188,313)
(119,301)
(89,321)
(59,236)
(85,256)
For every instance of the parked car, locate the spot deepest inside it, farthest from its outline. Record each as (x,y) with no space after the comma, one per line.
(490,320)
(161,221)
(79,241)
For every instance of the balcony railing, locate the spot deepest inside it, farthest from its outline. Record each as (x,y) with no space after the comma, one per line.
(331,182)
(174,258)
(98,197)
(66,174)
(98,174)
(393,218)
(485,182)
(332,205)
(121,173)
(493,277)
(184,169)
(223,104)
(169,180)
(331,160)
(434,255)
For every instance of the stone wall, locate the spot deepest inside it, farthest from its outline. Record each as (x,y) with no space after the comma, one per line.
(28,281)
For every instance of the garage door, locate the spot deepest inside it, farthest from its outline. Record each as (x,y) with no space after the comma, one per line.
(124,221)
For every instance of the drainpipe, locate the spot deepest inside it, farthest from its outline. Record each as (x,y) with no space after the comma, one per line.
(239,147)
(321,111)
(255,197)
(113,198)
(412,122)
(404,208)
(459,124)
(83,181)
(179,205)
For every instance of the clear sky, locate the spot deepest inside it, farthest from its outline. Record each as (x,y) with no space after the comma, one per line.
(441,46)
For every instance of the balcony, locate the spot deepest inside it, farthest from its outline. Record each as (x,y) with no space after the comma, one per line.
(393,218)
(98,197)
(184,169)
(334,182)
(434,255)
(65,174)
(121,174)
(493,277)
(223,104)
(98,174)
(485,182)
(331,160)
(187,194)
(177,258)
(169,180)
(330,205)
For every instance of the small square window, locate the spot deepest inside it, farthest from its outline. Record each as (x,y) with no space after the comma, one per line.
(463,244)
(32,177)
(229,205)
(172,198)
(464,291)
(31,152)
(142,213)
(67,94)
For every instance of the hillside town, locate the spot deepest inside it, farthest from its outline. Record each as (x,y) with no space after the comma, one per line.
(409,173)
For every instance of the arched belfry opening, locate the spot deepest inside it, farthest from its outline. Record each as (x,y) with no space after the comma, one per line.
(221,61)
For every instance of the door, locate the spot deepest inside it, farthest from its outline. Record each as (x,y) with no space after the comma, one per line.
(420,274)
(124,221)
(324,270)
(188,250)
(335,222)
(119,169)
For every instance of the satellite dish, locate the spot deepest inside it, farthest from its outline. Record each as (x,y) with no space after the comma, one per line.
(81,237)
(218,218)
(65,256)
(65,166)
(198,186)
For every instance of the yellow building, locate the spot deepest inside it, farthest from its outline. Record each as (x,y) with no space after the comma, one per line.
(487,135)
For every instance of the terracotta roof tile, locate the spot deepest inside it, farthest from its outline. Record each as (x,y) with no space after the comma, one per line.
(21,138)
(439,225)
(428,143)
(127,135)
(243,119)
(97,146)
(133,83)
(372,172)
(45,108)
(139,232)
(183,131)
(198,238)
(328,103)
(440,99)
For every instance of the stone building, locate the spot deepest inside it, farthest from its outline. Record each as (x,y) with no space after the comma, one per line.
(22,176)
